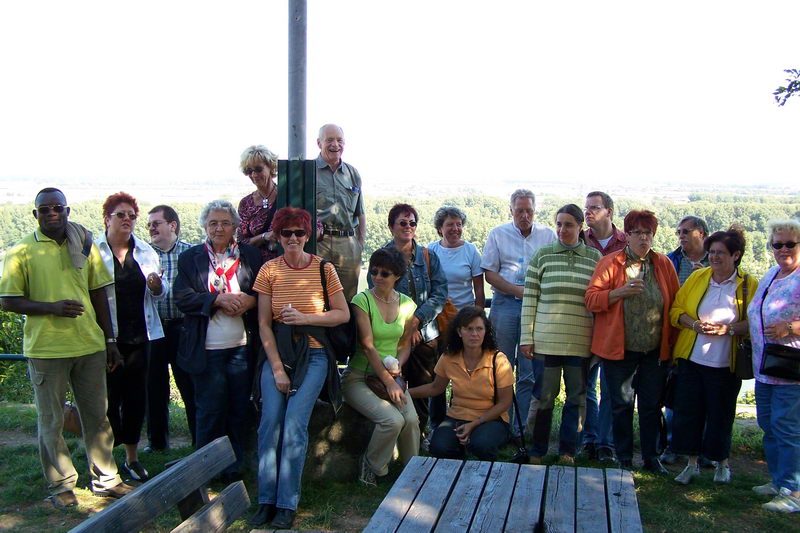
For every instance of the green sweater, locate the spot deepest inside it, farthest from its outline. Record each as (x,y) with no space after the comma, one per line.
(554,317)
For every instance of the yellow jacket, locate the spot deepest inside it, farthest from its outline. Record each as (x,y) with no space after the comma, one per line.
(688,301)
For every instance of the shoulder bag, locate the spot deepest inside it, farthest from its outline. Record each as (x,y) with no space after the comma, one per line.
(744,348)
(778,360)
(449,310)
(342,337)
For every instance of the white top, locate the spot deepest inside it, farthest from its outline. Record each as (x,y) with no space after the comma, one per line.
(225,331)
(604,242)
(718,306)
(148,261)
(460,265)
(507,252)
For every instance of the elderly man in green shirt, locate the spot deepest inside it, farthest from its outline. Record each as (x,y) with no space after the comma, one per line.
(340,208)
(57,278)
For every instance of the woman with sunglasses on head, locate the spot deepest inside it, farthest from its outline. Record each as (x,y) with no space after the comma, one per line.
(297,362)
(774,317)
(257,209)
(711,312)
(424,281)
(384,320)
(136,270)
(214,290)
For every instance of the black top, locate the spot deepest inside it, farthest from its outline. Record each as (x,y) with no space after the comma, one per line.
(129,287)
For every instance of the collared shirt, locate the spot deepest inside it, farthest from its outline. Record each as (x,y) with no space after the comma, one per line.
(686,266)
(339,197)
(508,252)
(167,309)
(718,306)
(618,241)
(40,269)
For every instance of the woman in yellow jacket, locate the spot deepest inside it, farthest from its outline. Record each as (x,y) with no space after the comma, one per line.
(711,310)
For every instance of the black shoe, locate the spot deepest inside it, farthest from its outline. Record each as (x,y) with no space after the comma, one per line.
(589,451)
(135,471)
(605,455)
(283,519)
(704,462)
(653,464)
(265,513)
(626,464)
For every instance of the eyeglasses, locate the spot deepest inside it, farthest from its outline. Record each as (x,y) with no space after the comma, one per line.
(376,273)
(155,223)
(286,233)
(225,224)
(122,215)
(641,234)
(718,252)
(249,171)
(412,223)
(789,245)
(55,208)
(684,231)
(594,208)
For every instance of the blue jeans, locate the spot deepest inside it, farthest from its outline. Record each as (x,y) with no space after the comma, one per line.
(597,428)
(778,412)
(484,442)
(222,399)
(505,315)
(283,433)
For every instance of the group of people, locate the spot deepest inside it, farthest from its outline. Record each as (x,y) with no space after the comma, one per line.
(247,314)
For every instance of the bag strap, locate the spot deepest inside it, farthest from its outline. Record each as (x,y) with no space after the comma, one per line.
(743,308)
(761,306)
(494,375)
(323,279)
(426,254)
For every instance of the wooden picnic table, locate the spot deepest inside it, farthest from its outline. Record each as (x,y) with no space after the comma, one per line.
(445,495)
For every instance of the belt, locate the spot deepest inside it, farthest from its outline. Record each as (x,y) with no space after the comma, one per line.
(339,232)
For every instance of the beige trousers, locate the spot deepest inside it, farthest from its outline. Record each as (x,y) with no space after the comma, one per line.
(345,254)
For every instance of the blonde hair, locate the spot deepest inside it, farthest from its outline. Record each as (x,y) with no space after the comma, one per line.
(782,224)
(258,153)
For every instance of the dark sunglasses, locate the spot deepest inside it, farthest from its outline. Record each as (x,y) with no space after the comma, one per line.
(412,223)
(684,231)
(286,233)
(779,245)
(376,273)
(249,171)
(45,209)
(122,215)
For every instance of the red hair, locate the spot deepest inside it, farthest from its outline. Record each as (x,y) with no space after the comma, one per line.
(641,219)
(291,216)
(119,198)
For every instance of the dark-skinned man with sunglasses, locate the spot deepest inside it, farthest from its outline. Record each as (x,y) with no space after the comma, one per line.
(56,277)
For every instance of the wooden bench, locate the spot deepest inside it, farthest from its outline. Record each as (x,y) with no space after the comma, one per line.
(182,485)
(444,495)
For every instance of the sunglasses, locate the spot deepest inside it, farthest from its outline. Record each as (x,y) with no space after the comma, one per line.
(286,233)
(46,209)
(249,171)
(684,231)
(789,245)
(376,273)
(412,223)
(122,215)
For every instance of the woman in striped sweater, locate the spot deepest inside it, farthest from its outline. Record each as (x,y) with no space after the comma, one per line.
(557,327)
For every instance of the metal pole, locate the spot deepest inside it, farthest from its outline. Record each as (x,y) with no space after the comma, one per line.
(297,79)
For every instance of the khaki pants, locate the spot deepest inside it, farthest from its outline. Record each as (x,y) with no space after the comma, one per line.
(86,376)
(392,424)
(345,254)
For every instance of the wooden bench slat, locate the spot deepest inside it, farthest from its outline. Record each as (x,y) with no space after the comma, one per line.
(220,513)
(425,510)
(526,504)
(559,509)
(399,499)
(623,508)
(492,510)
(460,508)
(590,504)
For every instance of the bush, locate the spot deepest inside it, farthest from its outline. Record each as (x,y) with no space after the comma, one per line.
(14,383)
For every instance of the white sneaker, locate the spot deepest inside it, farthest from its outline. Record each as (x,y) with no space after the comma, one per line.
(688,474)
(722,474)
(365,474)
(784,502)
(766,490)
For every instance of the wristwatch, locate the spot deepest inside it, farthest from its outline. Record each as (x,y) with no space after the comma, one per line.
(730,331)
(111,340)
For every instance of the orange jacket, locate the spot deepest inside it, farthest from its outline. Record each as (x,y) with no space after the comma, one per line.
(608,335)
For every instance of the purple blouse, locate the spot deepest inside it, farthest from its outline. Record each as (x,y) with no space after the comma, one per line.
(256,219)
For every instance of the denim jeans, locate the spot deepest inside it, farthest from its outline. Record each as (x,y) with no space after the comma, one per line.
(505,316)
(484,441)
(597,427)
(778,412)
(222,399)
(283,433)
(639,375)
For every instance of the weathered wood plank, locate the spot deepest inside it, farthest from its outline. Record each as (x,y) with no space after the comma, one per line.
(623,508)
(590,505)
(161,493)
(220,513)
(424,512)
(526,504)
(460,507)
(490,515)
(395,505)
(559,509)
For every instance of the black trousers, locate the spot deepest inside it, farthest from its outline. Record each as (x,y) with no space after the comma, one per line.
(127,394)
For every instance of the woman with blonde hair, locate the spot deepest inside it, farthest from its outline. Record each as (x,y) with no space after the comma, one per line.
(257,209)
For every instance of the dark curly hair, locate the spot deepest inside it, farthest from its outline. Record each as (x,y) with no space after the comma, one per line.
(469,313)
(389,258)
(733,240)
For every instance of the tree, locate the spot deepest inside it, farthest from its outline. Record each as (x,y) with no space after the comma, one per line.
(793,86)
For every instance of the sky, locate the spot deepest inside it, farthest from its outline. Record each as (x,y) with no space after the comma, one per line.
(452,92)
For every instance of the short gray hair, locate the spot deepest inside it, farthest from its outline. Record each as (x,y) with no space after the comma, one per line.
(219,205)
(782,224)
(447,211)
(697,222)
(522,193)
(320,135)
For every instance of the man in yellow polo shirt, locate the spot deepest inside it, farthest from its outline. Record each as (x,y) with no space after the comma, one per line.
(56,277)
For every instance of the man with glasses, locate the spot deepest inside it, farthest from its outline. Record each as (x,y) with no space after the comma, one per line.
(164,227)
(689,255)
(340,208)
(508,250)
(56,277)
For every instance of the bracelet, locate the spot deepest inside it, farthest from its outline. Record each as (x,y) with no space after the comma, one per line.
(790,327)
(111,340)
(693,326)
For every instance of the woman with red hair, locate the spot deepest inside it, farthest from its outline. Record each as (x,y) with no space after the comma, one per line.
(630,294)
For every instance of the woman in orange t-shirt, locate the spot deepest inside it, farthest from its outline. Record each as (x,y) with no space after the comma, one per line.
(482,380)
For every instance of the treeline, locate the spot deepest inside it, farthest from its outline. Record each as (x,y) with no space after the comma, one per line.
(484,213)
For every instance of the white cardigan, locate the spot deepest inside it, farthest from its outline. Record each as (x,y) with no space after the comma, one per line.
(148,262)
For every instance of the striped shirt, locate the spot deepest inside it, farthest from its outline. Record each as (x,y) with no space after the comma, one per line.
(554,317)
(299,287)
(167,309)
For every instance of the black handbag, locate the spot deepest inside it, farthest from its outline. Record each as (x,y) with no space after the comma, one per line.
(744,348)
(344,336)
(780,361)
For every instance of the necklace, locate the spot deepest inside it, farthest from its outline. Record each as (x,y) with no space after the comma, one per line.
(265,203)
(392,299)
